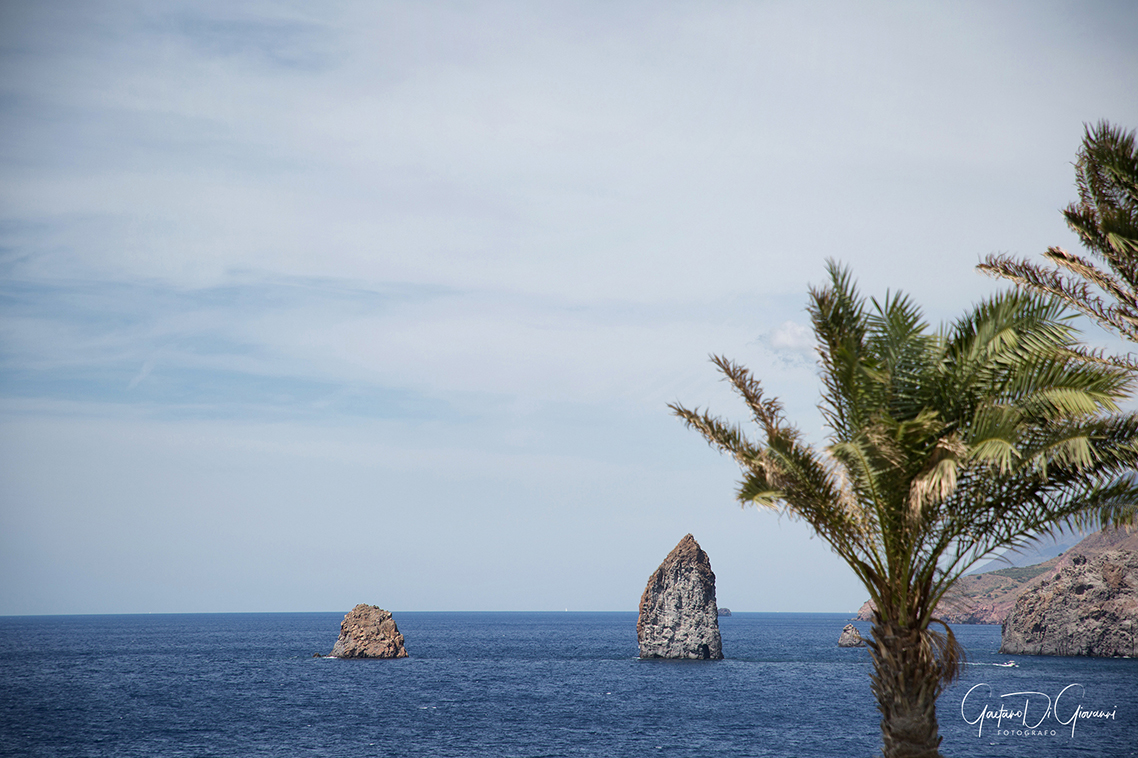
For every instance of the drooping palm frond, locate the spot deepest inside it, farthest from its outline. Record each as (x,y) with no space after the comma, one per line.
(784,470)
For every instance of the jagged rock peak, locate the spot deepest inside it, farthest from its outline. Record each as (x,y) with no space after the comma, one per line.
(850,637)
(368,631)
(678,614)
(1090,607)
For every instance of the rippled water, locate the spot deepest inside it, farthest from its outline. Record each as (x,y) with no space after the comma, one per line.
(506,684)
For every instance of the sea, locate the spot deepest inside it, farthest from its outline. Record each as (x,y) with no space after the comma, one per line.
(517,684)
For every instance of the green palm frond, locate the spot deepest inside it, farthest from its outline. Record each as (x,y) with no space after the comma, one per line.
(1106,220)
(944,445)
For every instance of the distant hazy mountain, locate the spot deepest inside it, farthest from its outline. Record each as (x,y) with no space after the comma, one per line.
(1037,552)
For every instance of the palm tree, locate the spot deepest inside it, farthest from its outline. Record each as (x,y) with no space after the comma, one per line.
(943,447)
(1106,220)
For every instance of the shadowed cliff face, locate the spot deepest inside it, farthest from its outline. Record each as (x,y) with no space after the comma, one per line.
(678,614)
(988,598)
(1089,607)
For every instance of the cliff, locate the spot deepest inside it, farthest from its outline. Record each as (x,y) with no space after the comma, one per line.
(1089,607)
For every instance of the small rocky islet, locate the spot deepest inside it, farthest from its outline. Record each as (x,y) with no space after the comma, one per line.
(850,637)
(368,631)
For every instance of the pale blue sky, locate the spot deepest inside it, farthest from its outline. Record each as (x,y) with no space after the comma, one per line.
(311,304)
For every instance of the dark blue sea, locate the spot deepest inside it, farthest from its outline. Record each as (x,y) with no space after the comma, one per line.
(515,684)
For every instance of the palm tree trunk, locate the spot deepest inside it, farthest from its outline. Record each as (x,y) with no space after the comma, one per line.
(906,681)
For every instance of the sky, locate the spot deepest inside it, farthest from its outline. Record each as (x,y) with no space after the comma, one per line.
(304,305)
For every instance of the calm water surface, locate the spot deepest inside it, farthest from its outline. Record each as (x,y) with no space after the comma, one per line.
(511,684)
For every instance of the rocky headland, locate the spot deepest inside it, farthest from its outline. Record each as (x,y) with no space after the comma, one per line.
(368,631)
(1088,607)
(981,598)
(678,614)
(988,598)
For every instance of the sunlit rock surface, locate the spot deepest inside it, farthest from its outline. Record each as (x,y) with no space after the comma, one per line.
(1090,607)
(850,637)
(678,615)
(369,632)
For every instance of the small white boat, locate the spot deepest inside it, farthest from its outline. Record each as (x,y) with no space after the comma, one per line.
(1009,664)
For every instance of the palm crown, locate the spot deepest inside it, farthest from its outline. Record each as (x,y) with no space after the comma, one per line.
(944,446)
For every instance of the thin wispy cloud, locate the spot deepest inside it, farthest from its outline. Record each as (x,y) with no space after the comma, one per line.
(792,337)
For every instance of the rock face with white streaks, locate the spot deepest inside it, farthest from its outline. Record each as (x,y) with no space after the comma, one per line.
(850,637)
(678,615)
(369,632)
(1090,607)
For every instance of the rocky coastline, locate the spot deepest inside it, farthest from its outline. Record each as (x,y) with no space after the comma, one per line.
(988,598)
(1089,607)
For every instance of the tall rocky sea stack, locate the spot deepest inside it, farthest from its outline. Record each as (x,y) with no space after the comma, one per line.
(678,615)
(369,632)
(1090,607)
